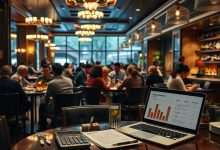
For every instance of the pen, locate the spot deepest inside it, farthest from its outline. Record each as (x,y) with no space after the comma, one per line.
(125,143)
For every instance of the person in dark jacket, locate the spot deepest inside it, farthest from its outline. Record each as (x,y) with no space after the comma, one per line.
(154,77)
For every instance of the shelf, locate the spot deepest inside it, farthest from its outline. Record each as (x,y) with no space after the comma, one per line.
(211,38)
(212,62)
(208,51)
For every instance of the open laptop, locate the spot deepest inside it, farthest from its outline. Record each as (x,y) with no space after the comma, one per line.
(170,117)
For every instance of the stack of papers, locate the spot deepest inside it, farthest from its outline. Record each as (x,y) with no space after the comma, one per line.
(214,127)
(110,139)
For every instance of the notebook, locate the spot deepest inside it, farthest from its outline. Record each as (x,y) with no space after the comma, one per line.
(170,117)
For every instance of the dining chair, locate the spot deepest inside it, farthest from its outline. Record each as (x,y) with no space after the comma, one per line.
(63,100)
(135,96)
(91,95)
(82,114)
(11,107)
(5,142)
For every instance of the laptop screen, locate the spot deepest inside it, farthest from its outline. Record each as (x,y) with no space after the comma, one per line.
(177,108)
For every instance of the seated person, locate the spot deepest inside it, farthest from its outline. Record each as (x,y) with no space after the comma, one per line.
(153,77)
(81,76)
(31,70)
(95,79)
(59,85)
(175,81)
(133,79)
(105,77)
(117,73)
(46,76)
(20,75)
(7,85)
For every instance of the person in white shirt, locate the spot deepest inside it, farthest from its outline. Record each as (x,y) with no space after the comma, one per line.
(20,75)
(117,74)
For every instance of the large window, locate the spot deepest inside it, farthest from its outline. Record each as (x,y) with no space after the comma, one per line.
(105,49)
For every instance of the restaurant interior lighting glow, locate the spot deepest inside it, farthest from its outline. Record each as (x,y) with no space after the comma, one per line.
(54,48)
(49,44)
(86,14)
(153,27)
(91,4)
(84,33)
(85,39)
(38,21)
(177,15)
(90,27)
(20,50)
(207,5)
(13,36)
(37,37)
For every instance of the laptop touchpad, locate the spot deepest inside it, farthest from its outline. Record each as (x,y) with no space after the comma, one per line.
(143,135)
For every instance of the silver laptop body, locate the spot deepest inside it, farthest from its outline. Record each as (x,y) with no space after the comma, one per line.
(176,111)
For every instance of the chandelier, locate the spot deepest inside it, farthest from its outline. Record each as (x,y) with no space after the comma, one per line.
(13,36)
(85,39)
(207,5)
(49,44)
(89,26)
(91,4)
(87,14)
(153,27)
(38,21)
(37,37)
(177,15)
(84,33)
(20,50)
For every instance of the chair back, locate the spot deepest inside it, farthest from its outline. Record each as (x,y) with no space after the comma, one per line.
(4,136)
(91,95)
(83,114)
(10,104)
(66,100)
(136,95)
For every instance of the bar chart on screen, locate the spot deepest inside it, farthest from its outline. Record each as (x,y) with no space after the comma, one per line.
(158,114)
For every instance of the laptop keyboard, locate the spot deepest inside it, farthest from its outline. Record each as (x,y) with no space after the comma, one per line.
(158,131)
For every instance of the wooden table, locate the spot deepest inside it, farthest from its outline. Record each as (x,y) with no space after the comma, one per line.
(33,95)
(203,141)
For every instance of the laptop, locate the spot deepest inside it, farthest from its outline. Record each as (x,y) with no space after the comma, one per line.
(170,117)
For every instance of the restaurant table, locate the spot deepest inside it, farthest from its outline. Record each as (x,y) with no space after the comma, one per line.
(33,95)
(203,141)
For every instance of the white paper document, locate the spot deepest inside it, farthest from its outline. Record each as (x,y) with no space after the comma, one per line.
(110,139)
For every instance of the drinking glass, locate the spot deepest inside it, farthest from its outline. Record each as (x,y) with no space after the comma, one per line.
(114,116)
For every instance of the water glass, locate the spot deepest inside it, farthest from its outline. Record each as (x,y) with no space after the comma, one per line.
(114,116)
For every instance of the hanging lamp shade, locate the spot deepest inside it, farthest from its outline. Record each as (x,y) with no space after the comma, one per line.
(137,36)
(153,27)
(207,5)
(177,15)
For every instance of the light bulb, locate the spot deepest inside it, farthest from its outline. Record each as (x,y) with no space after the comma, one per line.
(177,13)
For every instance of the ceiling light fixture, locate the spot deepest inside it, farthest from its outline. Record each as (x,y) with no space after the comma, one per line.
(13,36)
(89,26)
(84,33)
(137,36)
(54,48)
(153,27)
(85,39)
(86,14)
(138,9)
(38,21)
(207,5)
(20,50)
(91,3)
(49,44)
(130,18)
(37,37)
(177,15)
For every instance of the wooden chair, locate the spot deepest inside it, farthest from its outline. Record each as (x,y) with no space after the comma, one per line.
(91,95)
(135,97)
(4,134)
(64,100)
(83,114)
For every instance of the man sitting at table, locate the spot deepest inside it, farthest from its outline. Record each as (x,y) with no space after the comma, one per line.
(81,77)
(59,85)
(117,74)
(46,76)
(20,75)
(7,85)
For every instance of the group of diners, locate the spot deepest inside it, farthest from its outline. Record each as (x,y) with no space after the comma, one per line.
(63,79)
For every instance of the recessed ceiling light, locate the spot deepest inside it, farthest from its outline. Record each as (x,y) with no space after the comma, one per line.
(138,9)
(117,9)
(130,18)
(211,24)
